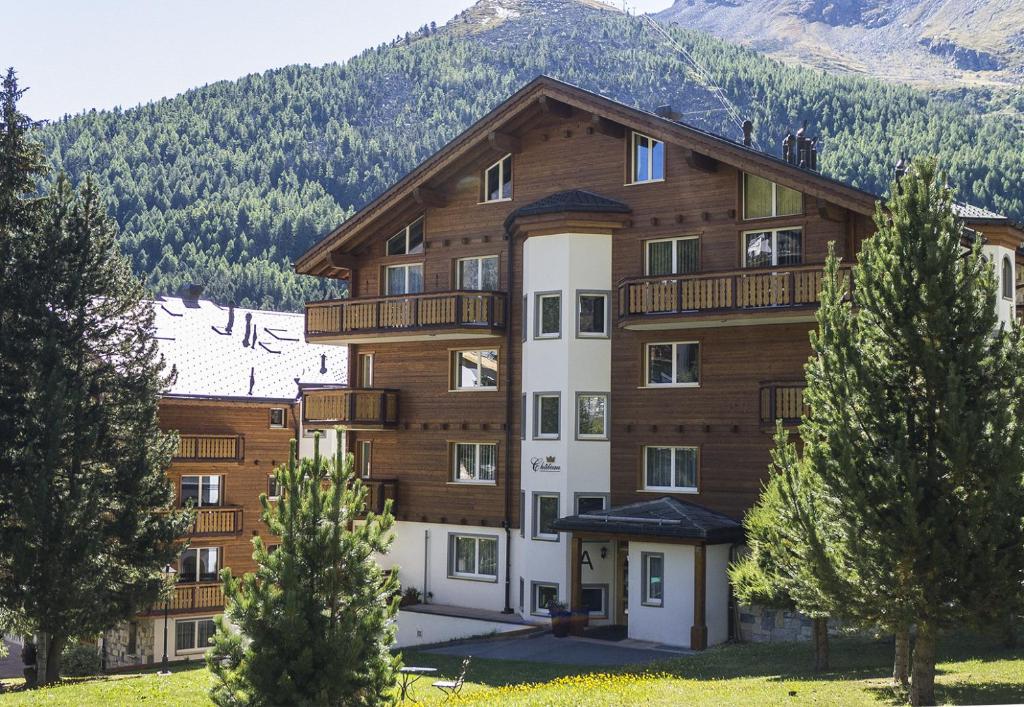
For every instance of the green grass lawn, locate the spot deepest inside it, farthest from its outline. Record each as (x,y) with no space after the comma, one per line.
(971,671)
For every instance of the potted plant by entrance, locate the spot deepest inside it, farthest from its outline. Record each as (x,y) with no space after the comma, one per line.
(560,619)
(579,619)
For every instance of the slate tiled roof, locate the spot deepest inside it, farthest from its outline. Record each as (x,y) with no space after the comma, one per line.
(571,200)
(661,517)
(970,211)
(212,362)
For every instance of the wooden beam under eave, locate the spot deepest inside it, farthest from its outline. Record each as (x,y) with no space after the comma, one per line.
(554,107)
(607,127)
(702,162)
(425,196)
(338,259)
(830,212)
(504,143)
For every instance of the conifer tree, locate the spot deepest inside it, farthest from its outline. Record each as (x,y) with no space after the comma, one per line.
(85,521)
(314,624)
(915,433)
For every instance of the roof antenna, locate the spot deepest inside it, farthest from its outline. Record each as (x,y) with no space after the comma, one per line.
(252,378)
(748,131)
(231,317)
(248,319)
(323,363)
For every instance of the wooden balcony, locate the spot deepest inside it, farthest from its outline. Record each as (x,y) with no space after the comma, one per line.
(419,317)
(356,408)
(191,598)
(782,401)
(217,520)
(381,490)
(209,448)
(780,295)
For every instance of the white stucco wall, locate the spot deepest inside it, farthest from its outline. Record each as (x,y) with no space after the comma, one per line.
(418,629)
(716,606)
(1005,307)
(670,623)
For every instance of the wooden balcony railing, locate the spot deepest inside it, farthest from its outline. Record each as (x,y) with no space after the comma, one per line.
(381,490)
(219,520)
(783,401)
(192,597)
(210,448)
(376,407)
(406,314)
(734,291)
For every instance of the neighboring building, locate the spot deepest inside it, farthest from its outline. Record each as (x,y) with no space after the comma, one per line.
(241,375)
(591,317)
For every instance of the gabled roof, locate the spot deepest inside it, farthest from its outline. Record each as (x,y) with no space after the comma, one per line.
(664,517)
(214,362)
(572,200)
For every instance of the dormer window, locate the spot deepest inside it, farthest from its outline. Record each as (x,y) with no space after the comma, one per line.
(498,180)
(763,198)
(408,241)
(647,159)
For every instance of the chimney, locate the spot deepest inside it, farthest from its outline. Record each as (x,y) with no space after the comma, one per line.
(323,363)
(195,291)
(667,111)
(248,325)
(254,334)
(900,170)
(231,318)
(801,150)
(787,148)
(748,131)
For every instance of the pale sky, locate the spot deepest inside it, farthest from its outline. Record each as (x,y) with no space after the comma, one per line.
(79,54)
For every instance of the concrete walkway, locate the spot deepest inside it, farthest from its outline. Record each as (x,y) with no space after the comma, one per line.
(545,648)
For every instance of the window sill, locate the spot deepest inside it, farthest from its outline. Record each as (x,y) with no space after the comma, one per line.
(477,389)
(494,201)
(656,386)
(190,651)
(547,337)
(488,579)
(591,438)
(587,335)
(653,606)
(546,439)
(471,483)
(545,538)
(688,490)
(646,181)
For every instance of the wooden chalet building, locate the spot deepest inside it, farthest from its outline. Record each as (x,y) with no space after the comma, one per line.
(591,317)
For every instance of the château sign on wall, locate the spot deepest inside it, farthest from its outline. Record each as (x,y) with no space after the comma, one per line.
(545,464)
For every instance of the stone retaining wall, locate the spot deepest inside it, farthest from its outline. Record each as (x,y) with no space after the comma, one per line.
(761,625)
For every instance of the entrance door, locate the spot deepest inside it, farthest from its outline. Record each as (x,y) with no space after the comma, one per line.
(621,616)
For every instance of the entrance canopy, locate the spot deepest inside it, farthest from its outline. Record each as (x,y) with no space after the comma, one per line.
(663,517)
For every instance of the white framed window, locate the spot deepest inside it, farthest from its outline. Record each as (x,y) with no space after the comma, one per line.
(591,502)
(592,315)
(522,594)
(1007,278)
(365,457)
(479,273)
(474,462)
(547,409)
(193,635)
(201,490)
(592,416)
(475,370)
(671,469)
(548,316)
(594,597)
(273,488)
(763,198)
(647,159)
(403,279)
(199,564)
(675,363)
(652,565)
(772,248)
(473,557)
(278,418)
(497,183)
(408,241)
(545,512)
(522,514)
(542,595)
(366,370)
(672,256)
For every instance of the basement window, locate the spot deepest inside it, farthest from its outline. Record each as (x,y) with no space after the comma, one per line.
(497,183)
(646,159)
(193,635)
(473,557)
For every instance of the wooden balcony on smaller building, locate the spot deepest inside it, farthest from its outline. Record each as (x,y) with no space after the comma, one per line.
(217,520)
(355,408)
(191,598)
(782,401)
(209,448)
(381,490)
(416,317)
(780,295)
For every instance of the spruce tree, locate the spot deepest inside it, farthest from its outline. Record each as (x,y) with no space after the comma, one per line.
(915,434)
(314,624)
(85,521)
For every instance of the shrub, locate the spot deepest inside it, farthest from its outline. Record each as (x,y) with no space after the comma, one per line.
(80,660)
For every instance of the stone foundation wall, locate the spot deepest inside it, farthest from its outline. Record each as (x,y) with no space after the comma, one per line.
(118,644)
(761,625)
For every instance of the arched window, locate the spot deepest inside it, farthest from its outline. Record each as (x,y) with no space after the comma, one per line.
(1007,277)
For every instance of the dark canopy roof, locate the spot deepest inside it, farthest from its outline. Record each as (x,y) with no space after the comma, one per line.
(571,200)
(663,517)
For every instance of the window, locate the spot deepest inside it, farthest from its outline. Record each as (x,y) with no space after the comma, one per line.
(653,566)
(522,419)
(272,548)
(1007,278)
(546,410)
(544,595)
(765,249)
(672,256)
(478,273)
(670,469)
(592,416)
(277,417)
(647,159)
(497,184)
(404,279)
(592,314)
(763,199)
(199,565)
(549,315)
(673,364)
(193,635)
(526,309)
(365,457)
(594,598)
(201,490)
(366,370)
(473,557)
(522,514)
(590,502)
(475,370)
(408,241)
(545,512)
(522,591)
(474,462)
(273,488)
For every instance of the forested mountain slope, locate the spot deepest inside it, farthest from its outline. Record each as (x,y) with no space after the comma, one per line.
(226,184)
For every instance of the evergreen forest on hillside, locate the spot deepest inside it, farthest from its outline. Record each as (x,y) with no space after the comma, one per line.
(227,184)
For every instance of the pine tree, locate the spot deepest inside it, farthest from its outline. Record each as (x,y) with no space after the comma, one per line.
(915,433)
(315,622)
